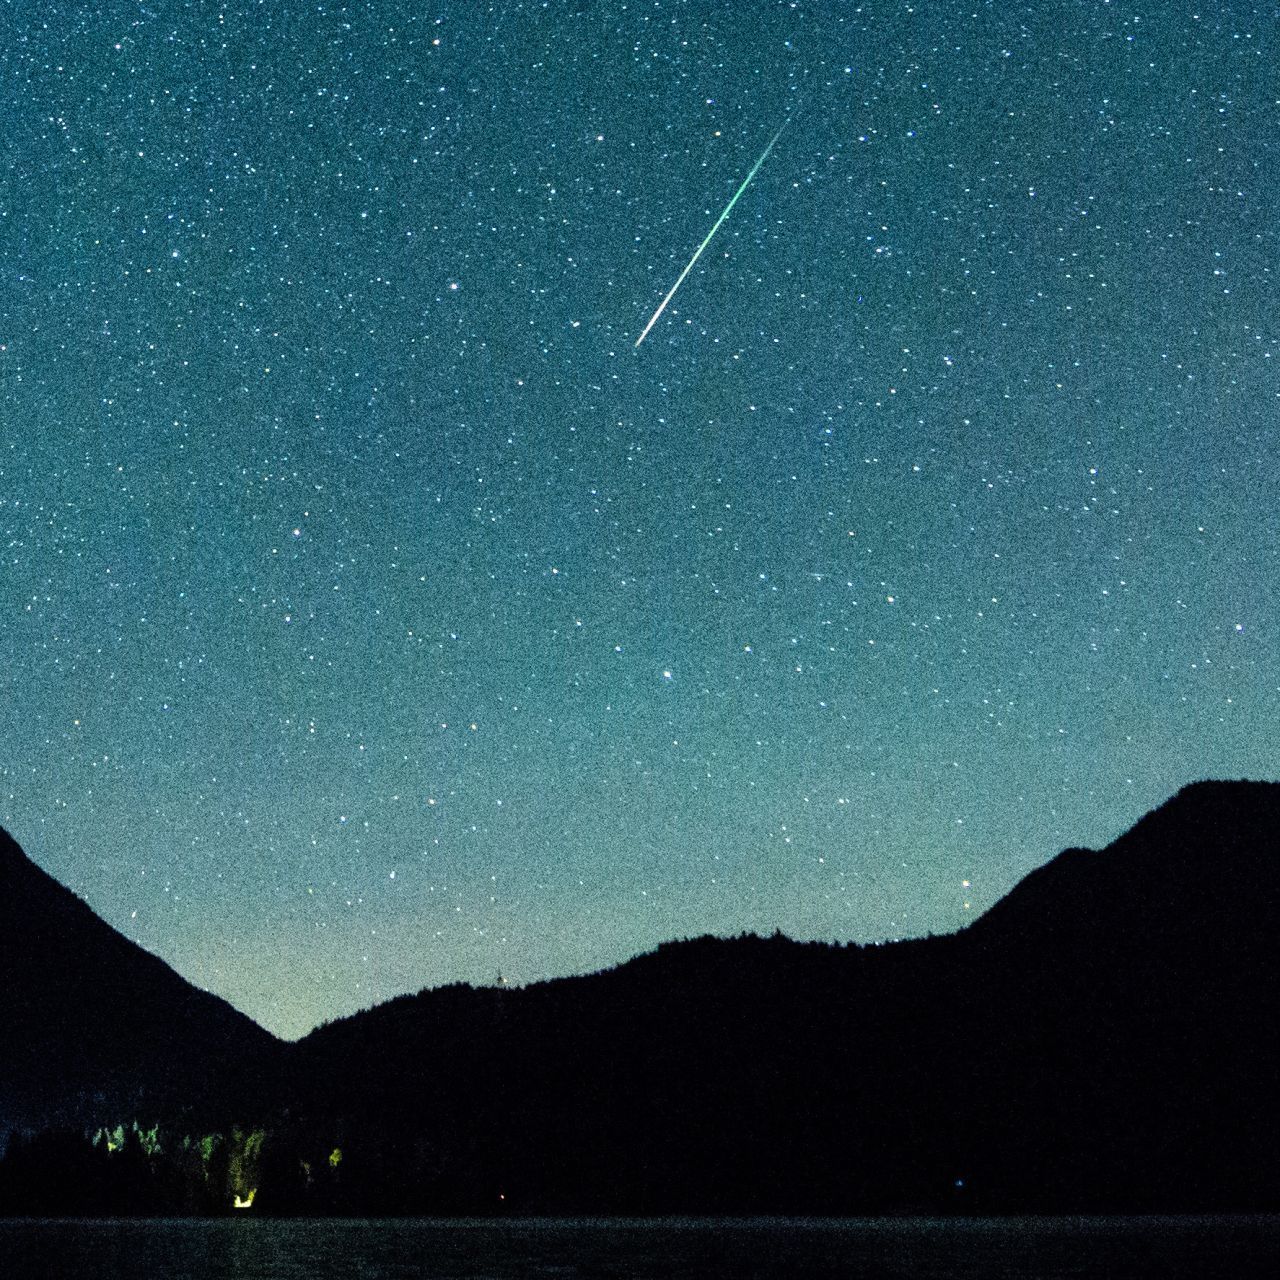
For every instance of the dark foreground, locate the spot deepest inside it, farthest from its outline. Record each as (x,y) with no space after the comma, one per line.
(1103,1040)
(940,1249)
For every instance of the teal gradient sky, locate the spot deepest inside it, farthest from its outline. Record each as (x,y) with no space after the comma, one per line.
(373,614)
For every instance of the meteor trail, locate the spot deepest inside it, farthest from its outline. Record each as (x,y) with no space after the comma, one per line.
(746,182)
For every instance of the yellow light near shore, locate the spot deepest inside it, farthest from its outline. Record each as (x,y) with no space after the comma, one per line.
(245,1202)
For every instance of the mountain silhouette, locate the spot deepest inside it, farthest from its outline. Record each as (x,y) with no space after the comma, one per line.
(95,1025)
(1189,867)
(1104,1038)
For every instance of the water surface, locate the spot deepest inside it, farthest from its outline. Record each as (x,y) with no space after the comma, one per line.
(920,1248)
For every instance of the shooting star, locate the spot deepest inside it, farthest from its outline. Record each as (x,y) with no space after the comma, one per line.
(746,182)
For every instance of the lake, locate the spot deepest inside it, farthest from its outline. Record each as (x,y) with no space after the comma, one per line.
(921,1248)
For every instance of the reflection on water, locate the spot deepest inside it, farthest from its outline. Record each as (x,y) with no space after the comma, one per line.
(883,1248)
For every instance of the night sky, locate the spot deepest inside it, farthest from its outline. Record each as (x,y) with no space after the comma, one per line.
(375,614)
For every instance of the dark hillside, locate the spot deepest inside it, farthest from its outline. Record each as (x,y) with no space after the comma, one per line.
(1104,1037)
(94,1025)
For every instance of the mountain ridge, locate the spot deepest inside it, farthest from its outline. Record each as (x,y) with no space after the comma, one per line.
(12,856)
(98,1008)
(1045,1057)
(1104,1038)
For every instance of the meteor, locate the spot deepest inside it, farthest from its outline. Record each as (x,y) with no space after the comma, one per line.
(746,182)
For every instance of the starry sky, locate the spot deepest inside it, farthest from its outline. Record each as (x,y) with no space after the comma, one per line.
(374,614)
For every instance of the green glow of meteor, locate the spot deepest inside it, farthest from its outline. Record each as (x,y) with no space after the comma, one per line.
(746,182)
